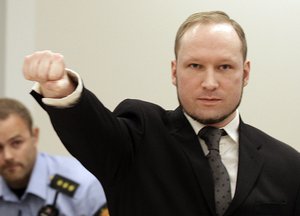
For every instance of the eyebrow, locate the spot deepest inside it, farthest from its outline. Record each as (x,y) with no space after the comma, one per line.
(18,136)
(11,138)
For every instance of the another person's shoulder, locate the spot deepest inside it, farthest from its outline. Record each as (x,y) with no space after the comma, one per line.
(69,176)
(69,167)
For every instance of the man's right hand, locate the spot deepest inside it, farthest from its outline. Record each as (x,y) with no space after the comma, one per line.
(48,69)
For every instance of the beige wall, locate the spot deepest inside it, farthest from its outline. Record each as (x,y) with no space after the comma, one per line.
(19,32)
(123,49)
(2,46)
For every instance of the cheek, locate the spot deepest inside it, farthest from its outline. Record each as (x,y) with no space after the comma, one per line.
(32,154)
(234,91)
(185,88)
(29,153)
(1,163)
(234,82)
(188,82)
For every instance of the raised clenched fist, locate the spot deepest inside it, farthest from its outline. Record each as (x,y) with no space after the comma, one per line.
(48,69)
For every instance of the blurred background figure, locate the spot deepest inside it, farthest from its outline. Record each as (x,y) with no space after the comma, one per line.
(34,183)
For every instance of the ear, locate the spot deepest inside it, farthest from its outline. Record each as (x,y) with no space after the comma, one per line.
(174,72)
(35,135)
(246,73)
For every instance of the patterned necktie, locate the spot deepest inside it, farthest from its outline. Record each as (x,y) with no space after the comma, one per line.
(212,136)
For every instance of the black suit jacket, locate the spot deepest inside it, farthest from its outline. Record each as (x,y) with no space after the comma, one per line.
(150,162)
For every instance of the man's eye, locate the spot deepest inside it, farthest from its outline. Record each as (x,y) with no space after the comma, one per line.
(225,67)
(195,66)
(16,143)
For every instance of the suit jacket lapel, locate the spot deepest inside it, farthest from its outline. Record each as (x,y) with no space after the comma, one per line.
(250,161)
(190,145)
(250,165)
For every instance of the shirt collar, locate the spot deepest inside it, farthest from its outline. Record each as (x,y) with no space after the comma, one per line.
(5,192)
(231,128)
(39,179)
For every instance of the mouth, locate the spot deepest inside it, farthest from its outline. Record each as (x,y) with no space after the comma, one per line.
(209,101)
(11,168)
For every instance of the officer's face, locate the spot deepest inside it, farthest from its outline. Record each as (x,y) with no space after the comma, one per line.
(18,150)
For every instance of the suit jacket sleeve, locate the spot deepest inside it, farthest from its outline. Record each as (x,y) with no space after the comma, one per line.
(96,136)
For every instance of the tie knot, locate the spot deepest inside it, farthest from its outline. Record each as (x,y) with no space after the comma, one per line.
(211,136)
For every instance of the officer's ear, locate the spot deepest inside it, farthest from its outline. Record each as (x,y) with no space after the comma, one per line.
(35,135)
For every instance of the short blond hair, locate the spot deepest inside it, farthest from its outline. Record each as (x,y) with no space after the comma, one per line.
(208,18)
(9,106)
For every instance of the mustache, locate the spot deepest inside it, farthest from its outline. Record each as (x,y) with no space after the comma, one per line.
(10,164)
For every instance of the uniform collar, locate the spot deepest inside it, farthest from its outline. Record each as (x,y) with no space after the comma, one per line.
(39,179)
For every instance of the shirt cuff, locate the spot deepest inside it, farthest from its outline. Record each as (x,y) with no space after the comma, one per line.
(65,101)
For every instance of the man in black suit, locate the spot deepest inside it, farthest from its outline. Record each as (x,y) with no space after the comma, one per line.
(151,161)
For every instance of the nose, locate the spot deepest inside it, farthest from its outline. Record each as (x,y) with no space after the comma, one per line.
(210,81)
(7,154)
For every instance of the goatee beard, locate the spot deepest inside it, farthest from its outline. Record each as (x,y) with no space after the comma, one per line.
(210,121)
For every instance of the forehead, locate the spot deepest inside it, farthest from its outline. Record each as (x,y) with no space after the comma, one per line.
(211,39)
(12,126)
(213,32)
(211,28)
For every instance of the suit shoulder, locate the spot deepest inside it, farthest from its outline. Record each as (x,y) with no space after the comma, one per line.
(138,106)
(138,103)
(269,142)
